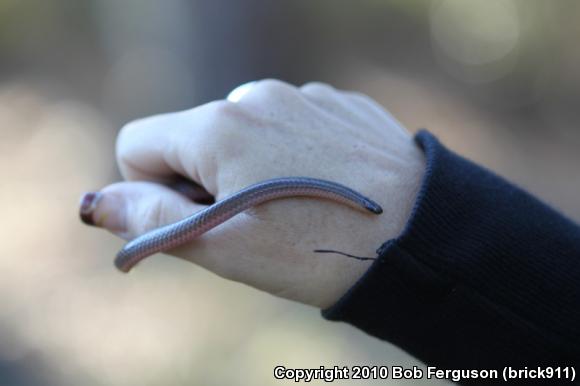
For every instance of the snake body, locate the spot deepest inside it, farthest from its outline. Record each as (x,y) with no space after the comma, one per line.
(189,228)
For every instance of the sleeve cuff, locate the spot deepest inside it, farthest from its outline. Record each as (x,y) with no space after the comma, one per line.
(457,288)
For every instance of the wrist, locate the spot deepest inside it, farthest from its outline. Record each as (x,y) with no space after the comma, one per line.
(397,193)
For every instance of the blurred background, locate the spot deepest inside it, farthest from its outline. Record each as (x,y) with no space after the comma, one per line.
(497,80)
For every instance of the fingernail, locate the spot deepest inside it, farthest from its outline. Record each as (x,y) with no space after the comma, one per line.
(88,205)
(104,210)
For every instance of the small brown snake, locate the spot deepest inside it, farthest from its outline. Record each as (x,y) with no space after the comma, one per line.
(184,231)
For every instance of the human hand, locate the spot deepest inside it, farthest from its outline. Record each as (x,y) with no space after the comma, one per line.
(275,130)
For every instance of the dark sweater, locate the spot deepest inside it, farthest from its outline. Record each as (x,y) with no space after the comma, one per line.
(483,276)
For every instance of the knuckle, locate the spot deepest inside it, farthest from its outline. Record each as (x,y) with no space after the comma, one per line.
(273,87)
(127,131)
(128,139)
(218,117)
(222,111)
(222,108)
(318,88)
(124,147)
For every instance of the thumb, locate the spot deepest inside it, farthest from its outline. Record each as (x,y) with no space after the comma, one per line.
(129,209)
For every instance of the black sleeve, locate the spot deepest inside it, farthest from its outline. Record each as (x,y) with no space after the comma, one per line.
(483,276)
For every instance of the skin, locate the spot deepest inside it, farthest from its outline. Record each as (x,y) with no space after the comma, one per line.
(274,130)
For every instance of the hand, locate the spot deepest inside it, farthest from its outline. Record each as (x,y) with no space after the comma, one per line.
(275,130)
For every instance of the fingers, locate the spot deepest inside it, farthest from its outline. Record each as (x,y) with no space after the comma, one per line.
(194,143)
(143,148)
(130,209)
(161,147)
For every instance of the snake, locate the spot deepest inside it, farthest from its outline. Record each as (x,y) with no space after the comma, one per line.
(189,228)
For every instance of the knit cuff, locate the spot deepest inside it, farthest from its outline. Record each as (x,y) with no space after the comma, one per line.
(459,286)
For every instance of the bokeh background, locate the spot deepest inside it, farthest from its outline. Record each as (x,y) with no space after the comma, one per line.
(497,80)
